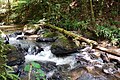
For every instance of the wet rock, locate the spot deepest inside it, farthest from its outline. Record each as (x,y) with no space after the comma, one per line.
(20,38)
(109,68)
(18,33)
(62,46)
(116,62)
(39,32)
(12,35)
(82,73)
(87,49)
(15,56)
(61,51)
(15,34)
(104,57)
(47,66)
(88,76)
(34,49)
(6,41)
(15,62)
(56,76)
(39,39)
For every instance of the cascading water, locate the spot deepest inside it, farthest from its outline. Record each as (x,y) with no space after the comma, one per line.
(44,55)
(52,65)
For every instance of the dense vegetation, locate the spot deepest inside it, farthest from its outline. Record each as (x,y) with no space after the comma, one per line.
(92,15)
(5,71)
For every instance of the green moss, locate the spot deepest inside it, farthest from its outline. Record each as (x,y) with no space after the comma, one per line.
(64,42)
(49,34)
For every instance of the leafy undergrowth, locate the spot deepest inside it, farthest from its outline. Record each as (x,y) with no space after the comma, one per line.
(5,71)
(109,32)
(34,68)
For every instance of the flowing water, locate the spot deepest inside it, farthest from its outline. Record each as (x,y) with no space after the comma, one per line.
(44,55)
(75,61)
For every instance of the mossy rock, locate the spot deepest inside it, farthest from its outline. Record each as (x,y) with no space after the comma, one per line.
(15,55)
(49,34)
(63,46)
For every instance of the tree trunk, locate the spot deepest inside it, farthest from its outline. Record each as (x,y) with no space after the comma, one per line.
(8,16)
(101,7)
(80,38)
(92,11)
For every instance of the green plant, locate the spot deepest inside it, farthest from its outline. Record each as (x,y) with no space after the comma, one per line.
(38,73)
(109,32)
(5,71)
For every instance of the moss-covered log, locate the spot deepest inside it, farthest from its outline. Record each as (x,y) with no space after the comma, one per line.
(72,35)
(80,38)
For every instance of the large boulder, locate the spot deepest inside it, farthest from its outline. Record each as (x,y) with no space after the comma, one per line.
(63,46)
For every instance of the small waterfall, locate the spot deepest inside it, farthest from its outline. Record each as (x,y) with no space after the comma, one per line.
(46,55)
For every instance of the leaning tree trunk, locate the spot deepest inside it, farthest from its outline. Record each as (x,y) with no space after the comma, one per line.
(80,38)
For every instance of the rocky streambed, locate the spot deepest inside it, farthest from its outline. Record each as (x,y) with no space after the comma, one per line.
(59,58)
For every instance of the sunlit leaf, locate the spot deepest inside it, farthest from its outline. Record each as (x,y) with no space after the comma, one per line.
(10,76)
(27,68)
(4,78)
(41,73)
(35,65)
(37,78)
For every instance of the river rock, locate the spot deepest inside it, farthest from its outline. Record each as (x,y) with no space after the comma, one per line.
(15,56)
(40,39)
(62,46)
(30,29)
(34,49)
(80,73)
(15,34)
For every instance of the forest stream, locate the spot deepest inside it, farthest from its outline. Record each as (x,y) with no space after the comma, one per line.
(59,39)
(81,65)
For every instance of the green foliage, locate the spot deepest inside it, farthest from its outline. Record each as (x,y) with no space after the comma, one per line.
(38,73)
(4,69)
(74,24)
(27,68)
(50,34)
(112,22)
(35,65)
(54,11)
(109,32)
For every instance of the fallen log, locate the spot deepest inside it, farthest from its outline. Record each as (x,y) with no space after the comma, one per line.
(111,51)
(11,27)
(72,35)
(80,38)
